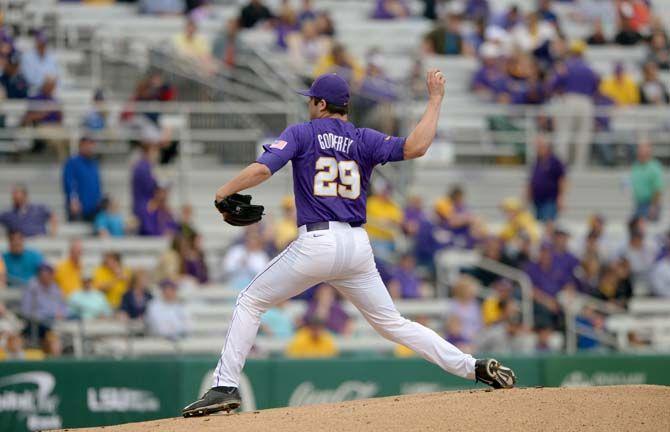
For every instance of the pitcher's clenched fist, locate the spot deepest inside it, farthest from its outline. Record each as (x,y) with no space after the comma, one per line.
(435,81)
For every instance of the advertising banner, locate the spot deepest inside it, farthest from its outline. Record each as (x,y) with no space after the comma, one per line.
(77,393)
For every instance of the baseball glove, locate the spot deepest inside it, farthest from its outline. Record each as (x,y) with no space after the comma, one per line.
(237,210)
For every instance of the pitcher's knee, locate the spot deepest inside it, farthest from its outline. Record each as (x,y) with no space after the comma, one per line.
(389,326)
(251,304)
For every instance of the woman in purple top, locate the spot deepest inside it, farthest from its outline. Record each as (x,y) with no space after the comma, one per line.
(390,9)
(466,307)
(404,282)
(193,259)
(156,218)
(143,182)
(326,306)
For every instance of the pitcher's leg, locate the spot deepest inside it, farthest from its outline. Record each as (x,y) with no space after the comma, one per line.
(368,293)
(278,282)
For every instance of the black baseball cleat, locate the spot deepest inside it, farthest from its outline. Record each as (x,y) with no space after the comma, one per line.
(491,372)
(216,399)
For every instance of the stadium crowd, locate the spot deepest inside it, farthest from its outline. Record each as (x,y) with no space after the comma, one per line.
(524,60)
(406,241)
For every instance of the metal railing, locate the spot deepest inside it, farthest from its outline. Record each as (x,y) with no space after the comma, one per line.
(573,305)
(450,262)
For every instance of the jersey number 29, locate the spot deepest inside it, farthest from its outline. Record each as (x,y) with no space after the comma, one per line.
(326,179)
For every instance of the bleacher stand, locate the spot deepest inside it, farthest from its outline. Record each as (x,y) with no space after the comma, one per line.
(175,102)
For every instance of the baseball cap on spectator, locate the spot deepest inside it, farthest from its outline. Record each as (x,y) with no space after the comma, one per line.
(167,283)
(456,8)
(41,37)
(561,230)
(330,87)
(489,50)
(150,134)
(45,267)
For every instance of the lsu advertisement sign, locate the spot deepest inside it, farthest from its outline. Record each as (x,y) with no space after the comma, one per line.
(78,393)
(55,394)
(28,402)
(606,369)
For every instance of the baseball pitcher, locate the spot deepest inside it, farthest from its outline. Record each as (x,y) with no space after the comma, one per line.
(332,164)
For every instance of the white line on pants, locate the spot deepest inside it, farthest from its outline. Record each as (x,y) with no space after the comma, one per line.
(341,256)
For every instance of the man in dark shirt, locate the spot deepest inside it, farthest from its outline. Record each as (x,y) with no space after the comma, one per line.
(30,219)
(254,12)
(15,84)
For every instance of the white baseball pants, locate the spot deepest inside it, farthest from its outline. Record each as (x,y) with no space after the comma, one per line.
(341,256)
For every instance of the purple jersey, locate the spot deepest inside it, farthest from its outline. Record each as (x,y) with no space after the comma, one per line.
(332,163)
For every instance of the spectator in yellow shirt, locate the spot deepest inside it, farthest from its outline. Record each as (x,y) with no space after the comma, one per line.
(285,229)
(339,61)
(190,44)
(620,87)
(68,271)
(14,349)
(111,278)
(519,222)
(312,341)
(493,305)
(385,219)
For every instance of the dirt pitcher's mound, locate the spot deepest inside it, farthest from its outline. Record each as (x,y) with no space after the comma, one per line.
(622,408)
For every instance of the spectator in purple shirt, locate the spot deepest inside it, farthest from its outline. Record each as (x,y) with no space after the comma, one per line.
(490,79)
(547,182)
(193,261)
(376,95)
(42,301)
(547,282)
(286,23)
(45,109)
(414,215)
(466,306)
(405,283)
(430,238)
(326,307)
(156,218)
(30,219)
(577,83)
(477,9)
(143,182)
(564,260)
(390,9)
(306,11)
(508,19)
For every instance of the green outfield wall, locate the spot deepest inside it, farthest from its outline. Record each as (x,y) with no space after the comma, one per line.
(76,393)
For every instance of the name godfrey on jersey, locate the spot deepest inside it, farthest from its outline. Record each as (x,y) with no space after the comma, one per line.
(338,143)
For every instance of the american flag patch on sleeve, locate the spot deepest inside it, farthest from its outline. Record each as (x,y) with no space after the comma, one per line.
(279,144)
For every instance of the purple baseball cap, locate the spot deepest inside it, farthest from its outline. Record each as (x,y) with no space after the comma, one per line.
(330,87)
